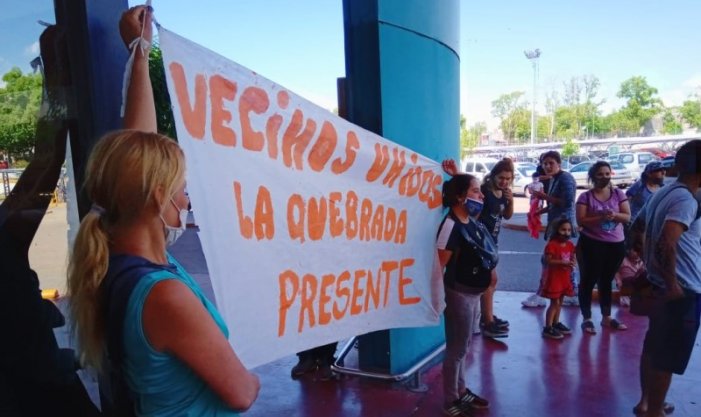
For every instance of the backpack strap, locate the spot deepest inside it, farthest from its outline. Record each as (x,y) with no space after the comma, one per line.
(123,274)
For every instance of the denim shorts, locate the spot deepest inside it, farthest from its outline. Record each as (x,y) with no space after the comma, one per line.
(672,333)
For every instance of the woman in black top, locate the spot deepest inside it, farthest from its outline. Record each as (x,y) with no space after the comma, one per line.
(498,205)
(467,252)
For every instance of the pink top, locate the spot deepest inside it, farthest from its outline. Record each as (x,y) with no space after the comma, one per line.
(606,230)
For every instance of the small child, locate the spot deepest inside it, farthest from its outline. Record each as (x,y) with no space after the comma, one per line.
(631,268)
(559,260)
(535,208)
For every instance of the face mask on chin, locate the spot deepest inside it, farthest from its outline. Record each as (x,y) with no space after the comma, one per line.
(172,234)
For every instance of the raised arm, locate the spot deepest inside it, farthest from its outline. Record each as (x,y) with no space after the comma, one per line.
(140,110)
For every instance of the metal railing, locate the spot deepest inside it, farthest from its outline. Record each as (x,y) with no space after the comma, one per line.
(414,371)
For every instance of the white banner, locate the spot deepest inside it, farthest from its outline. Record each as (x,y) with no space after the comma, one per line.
(314,229)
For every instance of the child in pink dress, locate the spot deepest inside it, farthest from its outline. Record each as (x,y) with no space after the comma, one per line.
(631,268)
(559,261)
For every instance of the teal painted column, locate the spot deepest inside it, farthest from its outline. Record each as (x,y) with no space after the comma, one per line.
(403,82)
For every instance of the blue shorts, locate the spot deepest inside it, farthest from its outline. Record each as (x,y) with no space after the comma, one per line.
(672,333)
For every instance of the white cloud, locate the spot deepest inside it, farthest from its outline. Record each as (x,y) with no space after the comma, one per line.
(693,82)
(32,50)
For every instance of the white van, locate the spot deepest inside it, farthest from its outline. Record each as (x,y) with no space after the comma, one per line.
(635,161)
(478,167)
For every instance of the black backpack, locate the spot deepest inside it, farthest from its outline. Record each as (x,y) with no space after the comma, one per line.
(123,273)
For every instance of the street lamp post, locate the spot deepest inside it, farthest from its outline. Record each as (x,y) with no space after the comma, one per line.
(533,57)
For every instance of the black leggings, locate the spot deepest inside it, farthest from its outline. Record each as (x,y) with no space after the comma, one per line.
(598,262)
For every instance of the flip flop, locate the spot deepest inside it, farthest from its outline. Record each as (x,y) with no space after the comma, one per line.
(668,408)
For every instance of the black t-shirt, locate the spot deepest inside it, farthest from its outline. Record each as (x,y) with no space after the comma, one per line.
(465,266)
(492,212)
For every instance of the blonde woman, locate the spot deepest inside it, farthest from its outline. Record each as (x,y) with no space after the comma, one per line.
(176,358)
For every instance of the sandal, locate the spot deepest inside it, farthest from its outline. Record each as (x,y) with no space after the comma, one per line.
(668,408)
(588,327)
(614,324)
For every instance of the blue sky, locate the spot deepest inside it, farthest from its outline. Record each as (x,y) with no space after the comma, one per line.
(299,43)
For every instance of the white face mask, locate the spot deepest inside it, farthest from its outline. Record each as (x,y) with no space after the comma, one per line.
(173,233)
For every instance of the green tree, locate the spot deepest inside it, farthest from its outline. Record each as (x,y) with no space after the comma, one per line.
(509,109)
(620,124)
(691,112)
(570,148)
(164,109)
(544,128)
(670,124)
(469,137)
(579,116)
(641,101)
(20,99)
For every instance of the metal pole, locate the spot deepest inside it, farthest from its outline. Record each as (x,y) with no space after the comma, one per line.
(533,57)
(533,127)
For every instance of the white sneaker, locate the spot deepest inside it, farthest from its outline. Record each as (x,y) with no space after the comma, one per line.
(534,300)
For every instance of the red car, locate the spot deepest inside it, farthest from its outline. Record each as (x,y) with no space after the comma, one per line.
(657,152)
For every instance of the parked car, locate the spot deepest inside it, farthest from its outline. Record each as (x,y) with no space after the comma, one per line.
(479,167)
(635,161)
(570,161)
(660,153)
(523,172)
(620,176)
(671,172)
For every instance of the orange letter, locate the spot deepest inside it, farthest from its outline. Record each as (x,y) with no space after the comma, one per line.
(387,268)
(308,295)
(335,224)
(373,291)
(295,227)
(357,292)
(351,215)
(379,164)
(436,197)
(365,214)
(316,218)
(245,223)
(390,224)
(378,221)
(287,277)
(194,116)
(341,292)
(253,99)
(326,281)
(323,148)
(352,144)
(265,224)
(400,237)
(294,139)
(219,89)
(425,190)
(272,127)
(396,168)
(405,263)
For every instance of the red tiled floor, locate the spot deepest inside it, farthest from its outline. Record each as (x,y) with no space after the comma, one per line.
(525,375)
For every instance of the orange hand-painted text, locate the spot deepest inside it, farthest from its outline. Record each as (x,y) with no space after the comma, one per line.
(301,135)
(335,215)
(309,300)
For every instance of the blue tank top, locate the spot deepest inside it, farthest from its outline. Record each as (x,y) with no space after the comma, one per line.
(165,386)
